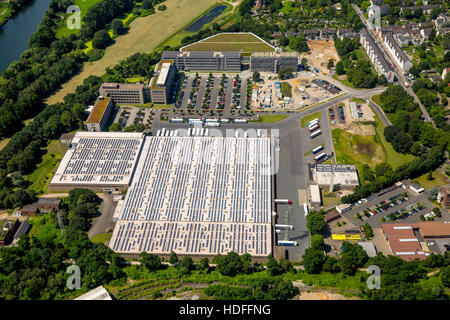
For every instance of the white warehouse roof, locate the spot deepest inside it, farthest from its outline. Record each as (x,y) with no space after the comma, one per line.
(198,196)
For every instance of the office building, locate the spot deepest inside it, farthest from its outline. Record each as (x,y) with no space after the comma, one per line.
(205,61)
(123,93)
(161,83)
(99,116)
(273,62)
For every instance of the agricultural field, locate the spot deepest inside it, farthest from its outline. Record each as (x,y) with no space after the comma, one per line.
(145,34)
(246,42)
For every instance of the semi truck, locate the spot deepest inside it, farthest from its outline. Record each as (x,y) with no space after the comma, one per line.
(283,201)
(313,121)
(314,128)
(240,120)
(288,243)
(177,120)
(284,226)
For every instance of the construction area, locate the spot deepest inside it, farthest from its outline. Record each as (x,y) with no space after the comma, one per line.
(321,51)
(303,91)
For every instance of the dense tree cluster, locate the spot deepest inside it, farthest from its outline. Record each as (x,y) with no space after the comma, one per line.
(102,13)
(408,134)
(315,222)
(400,280)
(359,71)
(36,268)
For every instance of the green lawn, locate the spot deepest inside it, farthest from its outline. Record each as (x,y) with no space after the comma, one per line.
(329,198)
(438,180)
(304,121)
(268,118)
(286,89)
(42,175)
(356,149)
(394,158)
(376,98)
(101,238)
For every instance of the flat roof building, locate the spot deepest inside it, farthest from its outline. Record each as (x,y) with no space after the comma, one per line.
(123,93)
(338,176)
(97,160)
(198,196)
(331,216)
(161,83)
(98,293)
(99,116)
(403,241)
(314,196)
(205,61)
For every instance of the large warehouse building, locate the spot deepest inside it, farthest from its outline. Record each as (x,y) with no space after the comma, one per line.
(199,196)
(97,160)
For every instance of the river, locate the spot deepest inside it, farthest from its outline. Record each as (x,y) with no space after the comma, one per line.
(14,35)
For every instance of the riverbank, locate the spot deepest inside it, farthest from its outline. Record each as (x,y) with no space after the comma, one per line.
(5,12)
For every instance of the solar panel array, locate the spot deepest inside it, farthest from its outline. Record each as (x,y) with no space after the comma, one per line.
(198,195)
(99,160)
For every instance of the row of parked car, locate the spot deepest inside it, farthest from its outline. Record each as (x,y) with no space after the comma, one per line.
(405,212)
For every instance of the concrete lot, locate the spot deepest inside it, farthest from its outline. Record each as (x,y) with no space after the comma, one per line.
(104,221)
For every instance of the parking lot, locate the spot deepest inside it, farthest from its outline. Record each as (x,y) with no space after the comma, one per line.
(129,115)
(220,93)
(404,209)
(323,139)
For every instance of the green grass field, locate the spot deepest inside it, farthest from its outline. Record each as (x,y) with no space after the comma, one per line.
(41,177)
(231,42)
(233,37)
(394,158)
(304,121)
(101,238)
(329,198)
(438,180)
(269,118)
(227,46)
(286,89)
(356,149)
